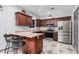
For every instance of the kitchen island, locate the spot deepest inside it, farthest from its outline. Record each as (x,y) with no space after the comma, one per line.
(33,42)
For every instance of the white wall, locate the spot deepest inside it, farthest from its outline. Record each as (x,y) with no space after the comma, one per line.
(7,22)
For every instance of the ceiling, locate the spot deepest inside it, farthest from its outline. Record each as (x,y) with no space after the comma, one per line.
(45,10)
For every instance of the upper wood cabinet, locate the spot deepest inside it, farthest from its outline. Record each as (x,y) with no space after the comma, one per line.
(20,19)
(38,22)
(48,21)
(43,22)
(29,21)
(23,19)
(54,22)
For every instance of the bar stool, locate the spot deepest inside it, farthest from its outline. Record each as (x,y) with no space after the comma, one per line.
(16,44)
(13,41)
(8,42)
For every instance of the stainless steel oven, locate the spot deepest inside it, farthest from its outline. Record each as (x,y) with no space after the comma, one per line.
(49,34)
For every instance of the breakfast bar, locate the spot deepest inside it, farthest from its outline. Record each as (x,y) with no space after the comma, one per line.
(33,42)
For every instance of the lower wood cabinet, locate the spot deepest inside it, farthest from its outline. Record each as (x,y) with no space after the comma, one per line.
(55,36)
(33,45)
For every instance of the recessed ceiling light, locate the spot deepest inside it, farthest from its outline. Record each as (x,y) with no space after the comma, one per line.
(39,10)
(48,12)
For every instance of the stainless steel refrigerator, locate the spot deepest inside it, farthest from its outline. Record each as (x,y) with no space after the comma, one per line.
(64,31)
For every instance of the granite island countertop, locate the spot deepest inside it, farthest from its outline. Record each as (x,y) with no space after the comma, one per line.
(32,32)
(26,34)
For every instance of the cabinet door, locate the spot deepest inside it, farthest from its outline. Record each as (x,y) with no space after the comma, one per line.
(20,20)
(38,23)
(29,21)
(43,22)
(39,44)
(55,36)
(55,22)
(48,21)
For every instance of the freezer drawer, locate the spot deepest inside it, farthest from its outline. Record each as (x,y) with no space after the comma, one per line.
(64,39)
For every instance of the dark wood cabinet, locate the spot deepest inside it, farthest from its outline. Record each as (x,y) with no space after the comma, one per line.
(55,36)
(23,19)
(29,21)
(54,21)
(43,23)
(20,19)
(38,22)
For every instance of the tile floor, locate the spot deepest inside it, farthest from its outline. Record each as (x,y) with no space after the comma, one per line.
(53,47)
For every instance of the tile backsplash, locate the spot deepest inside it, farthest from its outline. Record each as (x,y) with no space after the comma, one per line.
(22,28)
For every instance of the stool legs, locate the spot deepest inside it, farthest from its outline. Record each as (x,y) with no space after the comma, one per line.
(15,50)
(7,48)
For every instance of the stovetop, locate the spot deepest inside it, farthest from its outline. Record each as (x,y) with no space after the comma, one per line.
(49,31)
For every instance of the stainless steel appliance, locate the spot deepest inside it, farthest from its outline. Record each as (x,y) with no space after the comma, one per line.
(49,34)
(49,31)
(64,31)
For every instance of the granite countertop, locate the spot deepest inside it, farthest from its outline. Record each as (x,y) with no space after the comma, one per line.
(31,32)
(27,34)
(42,29)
